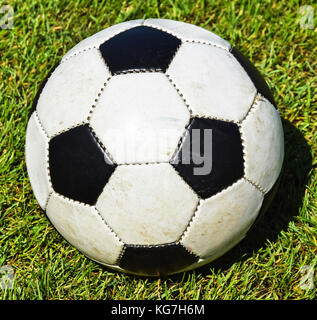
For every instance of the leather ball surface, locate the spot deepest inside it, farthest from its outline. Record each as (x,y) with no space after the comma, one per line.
(153,146)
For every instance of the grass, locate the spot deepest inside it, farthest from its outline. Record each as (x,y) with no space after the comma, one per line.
(266,265)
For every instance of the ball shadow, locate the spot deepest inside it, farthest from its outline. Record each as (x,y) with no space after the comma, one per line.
(283,209)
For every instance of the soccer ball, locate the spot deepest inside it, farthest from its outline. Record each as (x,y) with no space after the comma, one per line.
(153,146)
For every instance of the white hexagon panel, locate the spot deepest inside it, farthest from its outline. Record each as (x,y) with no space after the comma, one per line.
(140,118)
(262,133)
(83,227)
(70,91)
(214,84)
(147,204)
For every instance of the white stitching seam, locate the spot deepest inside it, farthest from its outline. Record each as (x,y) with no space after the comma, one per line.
(179,37)
(255,185)
(104,40)
(101,145)
(68,128)
(93,106)
(37,118)
(47,169)
(256,100)
(190,222)
(108,226)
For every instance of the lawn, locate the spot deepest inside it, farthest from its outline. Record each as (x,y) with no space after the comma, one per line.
(271,262)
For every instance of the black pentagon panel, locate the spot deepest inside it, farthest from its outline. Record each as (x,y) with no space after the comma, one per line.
(210,157)
(41,87)
(79,168)
(139,48)
(156,260)
(254,75)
